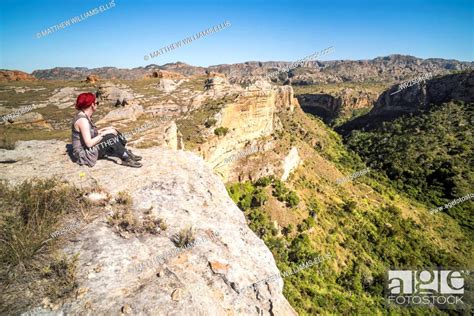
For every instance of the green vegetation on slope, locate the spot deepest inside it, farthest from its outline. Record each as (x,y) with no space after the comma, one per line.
(365,226)
(428,157)
(377,239)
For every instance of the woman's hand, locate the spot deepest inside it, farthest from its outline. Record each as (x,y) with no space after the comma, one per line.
(108,130)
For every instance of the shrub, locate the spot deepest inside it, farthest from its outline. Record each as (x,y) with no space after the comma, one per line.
(259,198)
(288,230)
(210,122)
(301,250)
(245,202)
(185,237)
(264,181)
(124,220)
(279,190)
(349,206)
(242,194)
(259,222)
(292,199)
(161,223)
(313,207)
(62,272)
(274,231)
(221,131)
(124,198)
(154,226)
(393,210)
(306,224)
(284,195)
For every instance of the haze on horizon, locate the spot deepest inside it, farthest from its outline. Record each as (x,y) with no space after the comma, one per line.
(260,31)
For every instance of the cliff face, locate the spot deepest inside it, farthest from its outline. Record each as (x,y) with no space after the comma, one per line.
(179,188)
(338,104)
(421,96)
(414,99)
(251,118)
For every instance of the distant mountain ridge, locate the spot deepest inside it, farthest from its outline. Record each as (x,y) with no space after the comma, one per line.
(390,68)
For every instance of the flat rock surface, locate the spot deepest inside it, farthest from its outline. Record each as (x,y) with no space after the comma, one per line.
(116,273)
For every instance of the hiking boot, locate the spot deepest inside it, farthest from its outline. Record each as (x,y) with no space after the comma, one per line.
(131,163)
(133,156)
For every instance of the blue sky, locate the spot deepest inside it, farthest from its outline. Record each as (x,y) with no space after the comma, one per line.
(260,30)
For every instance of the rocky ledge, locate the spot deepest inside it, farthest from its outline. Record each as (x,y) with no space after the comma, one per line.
(180,188)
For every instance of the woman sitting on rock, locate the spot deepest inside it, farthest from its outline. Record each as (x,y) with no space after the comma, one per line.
(90,144)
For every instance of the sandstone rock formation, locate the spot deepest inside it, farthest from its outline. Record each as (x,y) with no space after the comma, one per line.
(118,94)
(65,97)
(128,113)
(291,162)
(79,73)
(165,75)
(178,187)
(330,106)
(215,82)
(250,118)
(171,137)
(168,108)
(161,132)
(92,79)
(169,85)
(415,99)
(26,89)
(30,120)
(422,95)
(391,68)
(15,75)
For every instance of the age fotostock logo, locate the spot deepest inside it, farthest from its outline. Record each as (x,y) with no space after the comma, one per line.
(443,288)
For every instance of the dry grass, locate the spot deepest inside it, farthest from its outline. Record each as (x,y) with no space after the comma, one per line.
(154,225)
(124,198)
(185,237)
(29,213)
(124,220)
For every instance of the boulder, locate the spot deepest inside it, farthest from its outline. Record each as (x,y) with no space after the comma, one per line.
(169,85)
(30,120)
(163,74)
(130,113)
(215,83)
(65,97)
(119,95)
(92,79)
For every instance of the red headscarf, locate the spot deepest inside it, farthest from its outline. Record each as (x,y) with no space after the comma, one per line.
(85,100)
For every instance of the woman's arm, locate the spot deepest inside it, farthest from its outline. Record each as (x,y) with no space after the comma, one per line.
(84,128)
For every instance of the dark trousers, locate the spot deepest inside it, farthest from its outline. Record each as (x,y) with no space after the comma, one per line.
(112,145)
